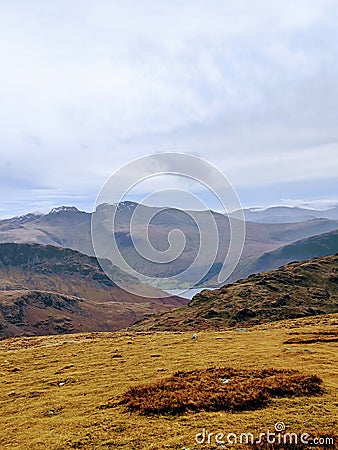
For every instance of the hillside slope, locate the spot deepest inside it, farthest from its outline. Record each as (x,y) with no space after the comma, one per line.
(40,313)
(325,244)
(299,289)
(39,284)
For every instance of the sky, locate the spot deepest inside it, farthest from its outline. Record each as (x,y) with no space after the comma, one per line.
(88,86)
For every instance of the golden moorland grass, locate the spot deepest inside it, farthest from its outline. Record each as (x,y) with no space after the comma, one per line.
(63,392)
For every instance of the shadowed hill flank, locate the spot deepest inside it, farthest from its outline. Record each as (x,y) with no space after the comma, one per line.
(297,290)
(322,245)
(41,284)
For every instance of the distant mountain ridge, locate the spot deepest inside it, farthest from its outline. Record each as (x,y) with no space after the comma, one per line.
(288,214)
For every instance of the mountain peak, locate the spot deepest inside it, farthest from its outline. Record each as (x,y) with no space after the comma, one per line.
(63,209)
(127,205)
(121,206)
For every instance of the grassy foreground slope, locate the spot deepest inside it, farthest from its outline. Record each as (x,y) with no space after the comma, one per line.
(55,390)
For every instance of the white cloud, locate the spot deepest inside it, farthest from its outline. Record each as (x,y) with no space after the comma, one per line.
(85,87)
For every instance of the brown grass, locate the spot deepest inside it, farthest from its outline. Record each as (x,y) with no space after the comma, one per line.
(219,389)
(38,413)
(314,338)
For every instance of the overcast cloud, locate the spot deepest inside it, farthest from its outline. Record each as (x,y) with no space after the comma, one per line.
(85,87)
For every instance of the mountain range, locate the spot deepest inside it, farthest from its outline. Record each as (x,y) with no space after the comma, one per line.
(71,228)
(61,288)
